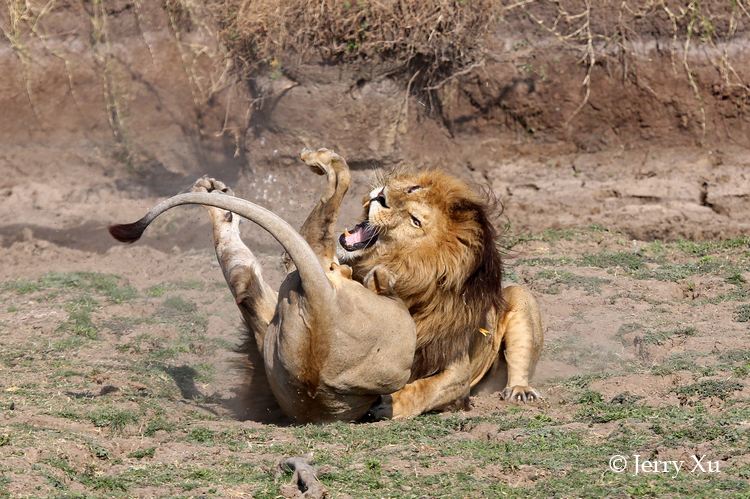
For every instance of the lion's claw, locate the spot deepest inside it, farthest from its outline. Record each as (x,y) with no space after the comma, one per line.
(520,394)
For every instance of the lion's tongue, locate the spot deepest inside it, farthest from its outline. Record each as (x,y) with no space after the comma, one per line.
(357,235)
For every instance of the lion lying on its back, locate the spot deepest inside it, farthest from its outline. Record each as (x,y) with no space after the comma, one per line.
(433,235)
(330,346)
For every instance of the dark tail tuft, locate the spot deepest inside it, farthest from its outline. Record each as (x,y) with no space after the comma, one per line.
(128,233)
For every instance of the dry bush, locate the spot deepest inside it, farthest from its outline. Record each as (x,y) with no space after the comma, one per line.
(425,41)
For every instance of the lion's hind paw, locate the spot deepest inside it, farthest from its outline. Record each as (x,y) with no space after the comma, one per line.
(209,184)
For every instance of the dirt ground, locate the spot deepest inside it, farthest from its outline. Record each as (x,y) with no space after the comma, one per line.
(117,370)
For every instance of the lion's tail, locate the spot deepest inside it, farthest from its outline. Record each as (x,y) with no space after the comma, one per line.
(129,233)
(317,287)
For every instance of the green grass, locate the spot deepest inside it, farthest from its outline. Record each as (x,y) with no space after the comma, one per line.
(742,313)
(88,476)
(511,240)
(552,280)
(98,451)
(143,453)
(678,271)
(127,443)
(111,417)
(205,372)
(660,337)
(156,424)
(674,363)
(183,314)
(175,313)
(70,343)
(703,248)
(709,388)
(159,290)
(556,452)
(739,355)
(120,325)
(202,435)
(4,482)
(79,320)
(81,292)
(22,286)
(607,259)
(107,285)
(736,279)
(639,266)
(178,305)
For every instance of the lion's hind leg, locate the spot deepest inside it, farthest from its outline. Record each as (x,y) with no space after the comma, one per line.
(523,338)
(255,299)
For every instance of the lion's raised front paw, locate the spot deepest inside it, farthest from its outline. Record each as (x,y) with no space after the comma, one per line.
(320,161)
(208,184)
(520,394)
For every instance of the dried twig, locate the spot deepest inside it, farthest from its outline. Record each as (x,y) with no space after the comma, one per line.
(464,71)
(591,56)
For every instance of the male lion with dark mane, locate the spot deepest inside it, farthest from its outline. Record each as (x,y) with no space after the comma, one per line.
(433,234)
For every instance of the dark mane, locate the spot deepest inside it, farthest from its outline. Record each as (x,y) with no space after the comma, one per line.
(483,288)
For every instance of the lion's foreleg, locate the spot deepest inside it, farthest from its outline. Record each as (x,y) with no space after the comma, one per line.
(319,227)
(255,299)
(427,394)
(522,342)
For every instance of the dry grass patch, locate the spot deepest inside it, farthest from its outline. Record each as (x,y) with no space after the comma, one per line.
(426,42)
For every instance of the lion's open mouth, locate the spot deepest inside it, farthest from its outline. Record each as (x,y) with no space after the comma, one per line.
(362,236)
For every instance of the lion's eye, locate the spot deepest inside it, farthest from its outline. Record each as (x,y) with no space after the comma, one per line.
(413,188)
(415,221)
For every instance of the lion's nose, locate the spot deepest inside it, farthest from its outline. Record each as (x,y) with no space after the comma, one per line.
(380,198)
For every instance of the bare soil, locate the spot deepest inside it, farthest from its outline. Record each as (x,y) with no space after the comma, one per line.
(117,369)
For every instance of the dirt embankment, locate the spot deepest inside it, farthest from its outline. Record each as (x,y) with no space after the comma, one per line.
(644,130)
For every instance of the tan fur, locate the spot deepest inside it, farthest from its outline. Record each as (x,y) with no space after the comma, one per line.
(447,269)
(330,346)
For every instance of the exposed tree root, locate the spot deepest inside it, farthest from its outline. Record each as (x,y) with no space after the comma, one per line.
(305,481)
